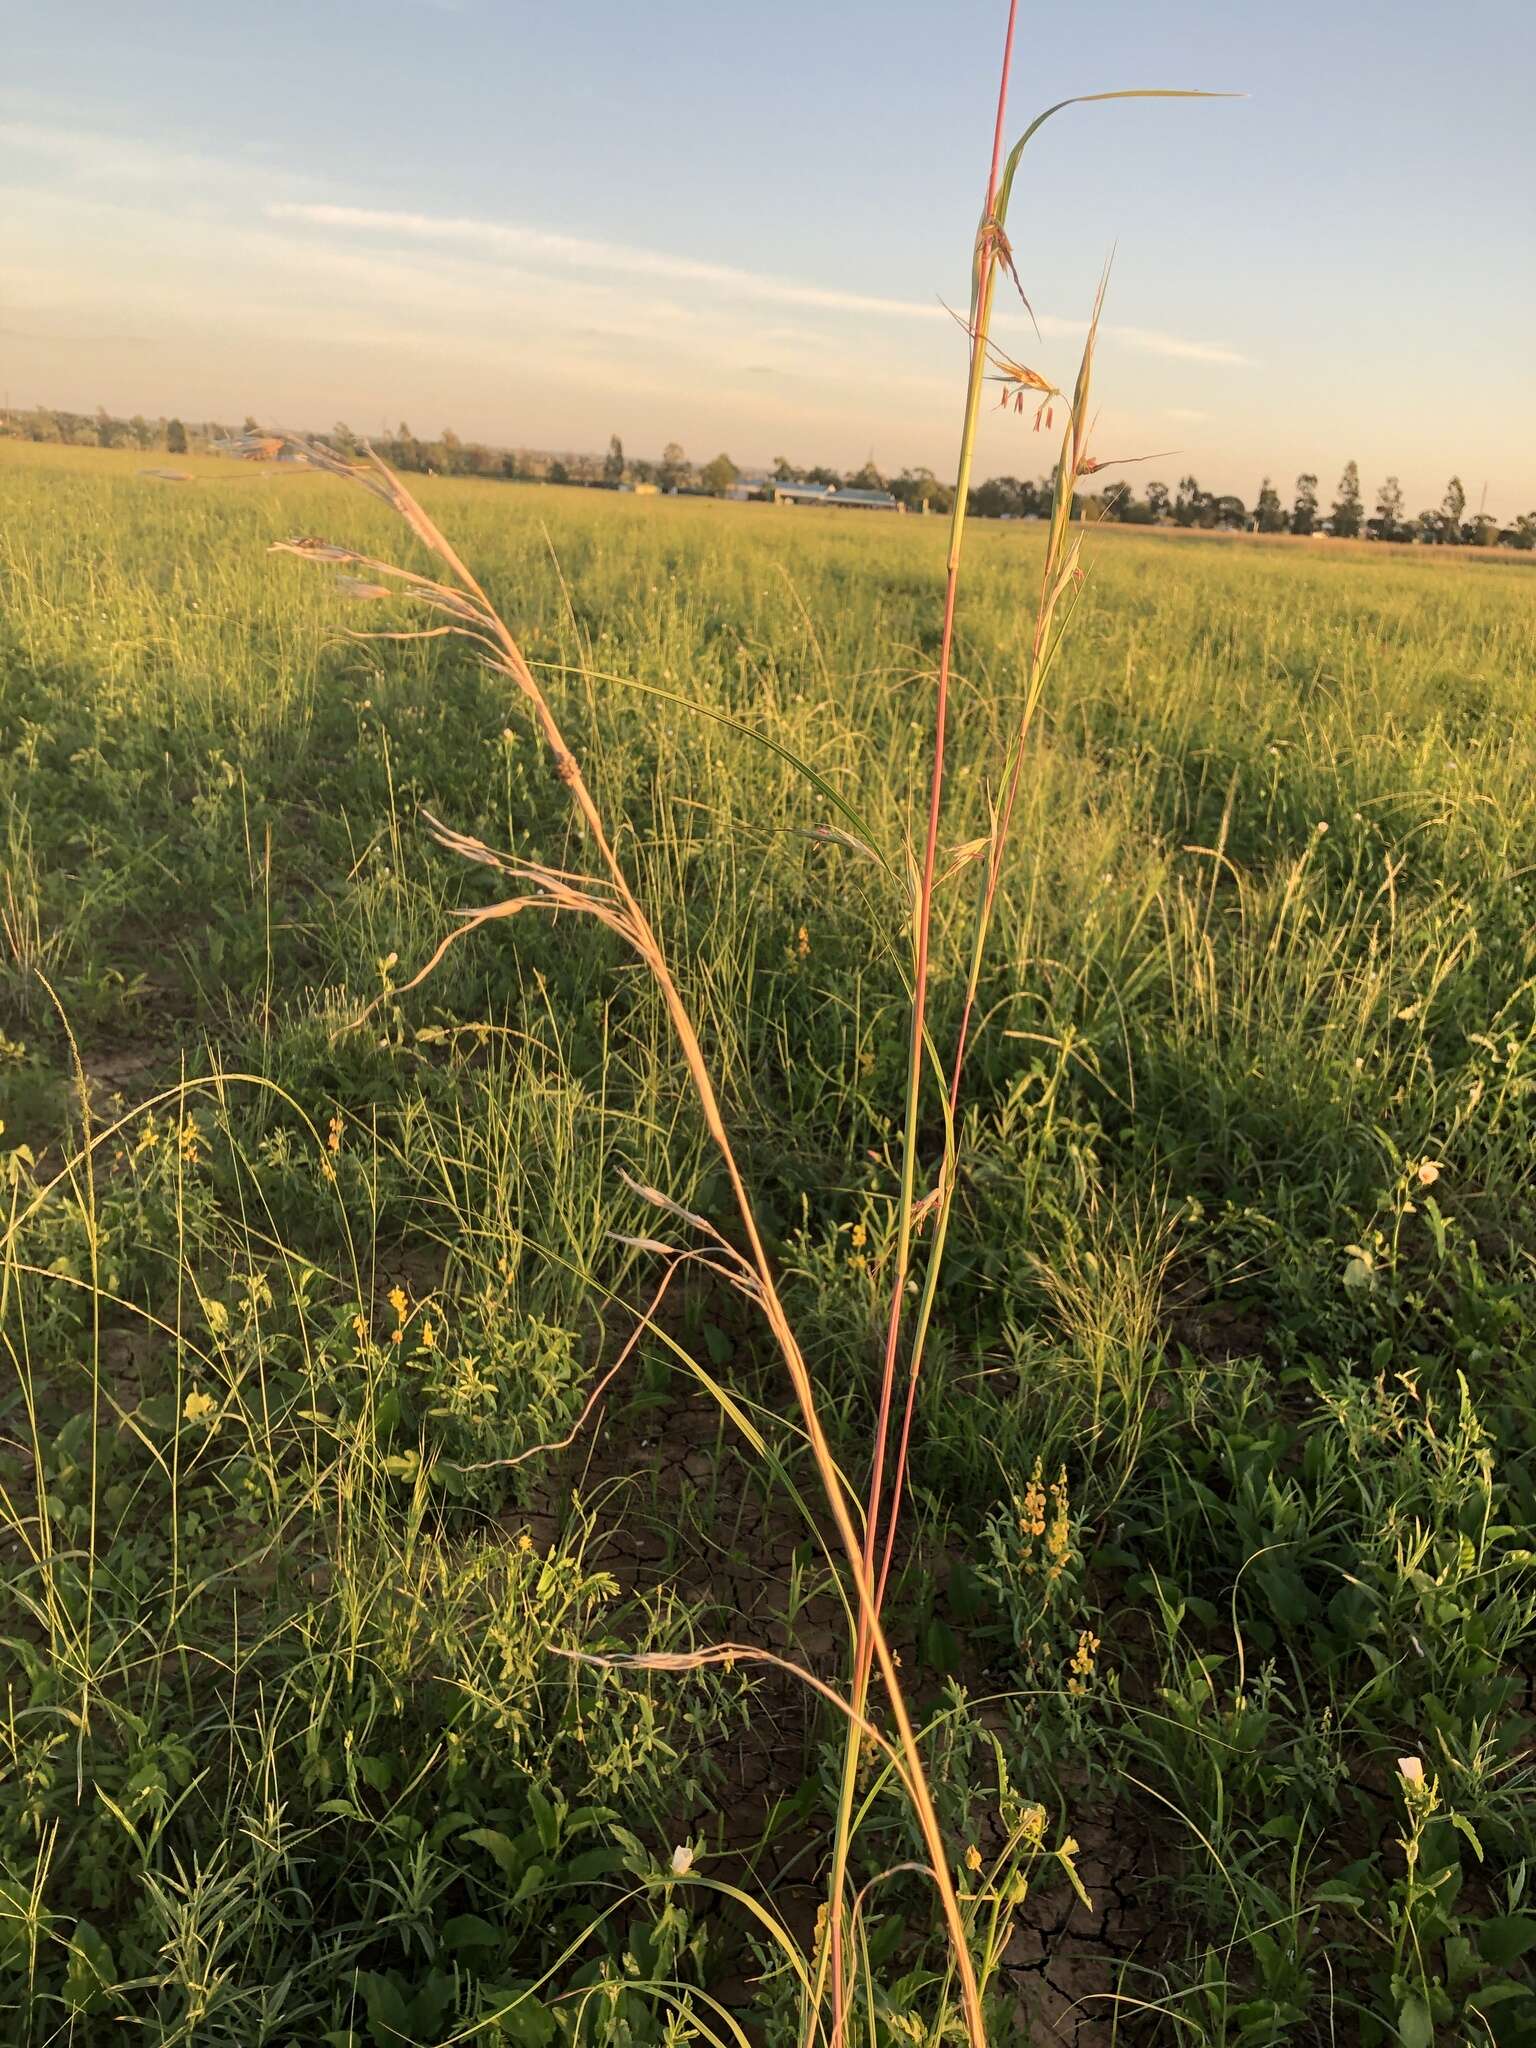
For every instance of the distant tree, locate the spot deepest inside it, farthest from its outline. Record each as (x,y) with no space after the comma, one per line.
(109,432)
(997,498)
(675,466)
(1523,533)
(1009,497)
(344,441)
(642,471)
(1347,508)
(1483,532)
(143,433)
(1189,502)
(1452,505)
(1269,512)
(1128,509)
(1157,502)
(718,476)
(1304,511)
(558,473)
(821,475)
(613,461)
(919,488)
(449,451)
(1389,522)
(175,438)
(866,479)
(784,472)
(1230,512)
(251,425)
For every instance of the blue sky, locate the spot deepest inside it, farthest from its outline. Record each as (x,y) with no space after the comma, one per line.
(733,225)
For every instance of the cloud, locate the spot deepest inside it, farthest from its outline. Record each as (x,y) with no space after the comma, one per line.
(576,252)
(1178,346)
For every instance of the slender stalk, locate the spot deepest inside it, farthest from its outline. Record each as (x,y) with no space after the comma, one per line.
(1060,580)
(985,288)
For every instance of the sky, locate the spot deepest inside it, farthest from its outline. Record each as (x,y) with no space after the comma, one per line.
(738,226)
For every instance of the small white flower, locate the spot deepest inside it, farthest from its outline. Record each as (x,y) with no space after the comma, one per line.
(1412,1769)
(682,1858)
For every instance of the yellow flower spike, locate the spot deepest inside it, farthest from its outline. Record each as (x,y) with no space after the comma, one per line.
(428,1336)
(397,1299)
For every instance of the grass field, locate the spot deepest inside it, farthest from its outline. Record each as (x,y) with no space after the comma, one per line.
(1225,1465)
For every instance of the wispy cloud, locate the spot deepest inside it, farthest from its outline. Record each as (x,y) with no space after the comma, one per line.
(574,252)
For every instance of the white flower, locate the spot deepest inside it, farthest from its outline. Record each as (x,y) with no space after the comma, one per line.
(682,1859)
(1412,1769)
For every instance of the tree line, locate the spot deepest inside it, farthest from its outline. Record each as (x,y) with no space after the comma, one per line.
(102,429)
(1185,504)
(1445,524)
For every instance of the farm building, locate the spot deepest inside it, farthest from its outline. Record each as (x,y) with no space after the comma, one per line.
(832,494)
(867,501)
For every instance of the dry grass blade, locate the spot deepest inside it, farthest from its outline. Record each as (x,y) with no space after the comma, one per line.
(727,1656)
(619,908)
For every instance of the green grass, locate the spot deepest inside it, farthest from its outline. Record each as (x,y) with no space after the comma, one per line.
(1242,1246)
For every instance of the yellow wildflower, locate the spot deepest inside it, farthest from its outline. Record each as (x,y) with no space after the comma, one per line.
(1032,1507)
(198,1406)
(1083,1661)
